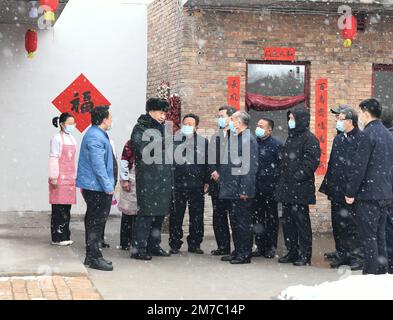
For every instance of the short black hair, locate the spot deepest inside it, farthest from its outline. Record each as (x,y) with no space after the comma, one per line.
(63,118)
(230,110)
(192,115)
(269,121)
(372,106)
(98,114)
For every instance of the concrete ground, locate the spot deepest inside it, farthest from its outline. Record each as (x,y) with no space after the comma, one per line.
(25,250)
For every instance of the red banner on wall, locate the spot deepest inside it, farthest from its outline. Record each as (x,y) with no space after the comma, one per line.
(321,114)
(234,92)
(280,54)
(78,99)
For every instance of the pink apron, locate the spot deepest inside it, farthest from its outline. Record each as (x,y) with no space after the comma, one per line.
(65,193)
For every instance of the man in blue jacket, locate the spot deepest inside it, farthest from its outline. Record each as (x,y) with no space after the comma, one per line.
(266,207)
(370,184)
(96,179)
(237,185)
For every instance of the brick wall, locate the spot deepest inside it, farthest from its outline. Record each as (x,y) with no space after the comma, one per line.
(164,44)
(216,45)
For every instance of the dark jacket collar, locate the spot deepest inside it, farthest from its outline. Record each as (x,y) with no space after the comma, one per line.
(373,123)
(353,132)
(266,140)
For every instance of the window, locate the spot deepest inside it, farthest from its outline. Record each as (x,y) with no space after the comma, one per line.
(274,88)
(382,87)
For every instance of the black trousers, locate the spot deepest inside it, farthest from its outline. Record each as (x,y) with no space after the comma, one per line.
(345,231)
(146,236)
(265,222)
(126,227)
(106,220)
(297,229)
(98,208)
(240,216)
(389,239)
(195,200)
(371,216)
(60,222)
(221,230)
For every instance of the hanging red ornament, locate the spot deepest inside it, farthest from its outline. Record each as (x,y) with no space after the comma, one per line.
(50,6)
(349,31)
(31,42)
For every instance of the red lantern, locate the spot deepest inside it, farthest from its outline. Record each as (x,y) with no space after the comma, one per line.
(50,6)
(31,42)
(349,33)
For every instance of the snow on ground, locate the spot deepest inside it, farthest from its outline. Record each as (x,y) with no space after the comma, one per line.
(356,287)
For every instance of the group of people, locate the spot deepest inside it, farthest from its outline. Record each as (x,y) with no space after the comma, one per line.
(245,170)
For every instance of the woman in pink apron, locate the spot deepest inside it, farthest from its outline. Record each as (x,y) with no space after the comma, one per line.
(62,175)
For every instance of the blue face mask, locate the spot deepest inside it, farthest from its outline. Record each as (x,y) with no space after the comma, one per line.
(340,126)
(69,128)
(232,126)
(259,132)
(291,124)
(187,130)
(222,123)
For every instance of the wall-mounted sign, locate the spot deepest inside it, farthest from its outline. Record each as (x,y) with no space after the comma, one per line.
(78,99)
(280,54)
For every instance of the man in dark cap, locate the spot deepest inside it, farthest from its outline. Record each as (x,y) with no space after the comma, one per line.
(348,247)
(154,180)
(336,111)
(370,185)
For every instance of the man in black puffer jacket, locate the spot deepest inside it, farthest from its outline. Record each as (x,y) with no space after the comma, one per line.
(296,187)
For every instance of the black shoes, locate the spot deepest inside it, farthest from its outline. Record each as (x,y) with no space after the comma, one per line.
(240,261)
(103,244)
(195,250)
(257,253)
(220,252)
(99,264)
(336,263)
(270,254)
(159,252)
(227,258)
(174,251)
(302,261)
(332,256)
(289,258)
(141,256)
(356,266)
(88,260)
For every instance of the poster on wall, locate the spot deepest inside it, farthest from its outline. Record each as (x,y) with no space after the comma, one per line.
(78,99)
(234,92)
(321,114)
